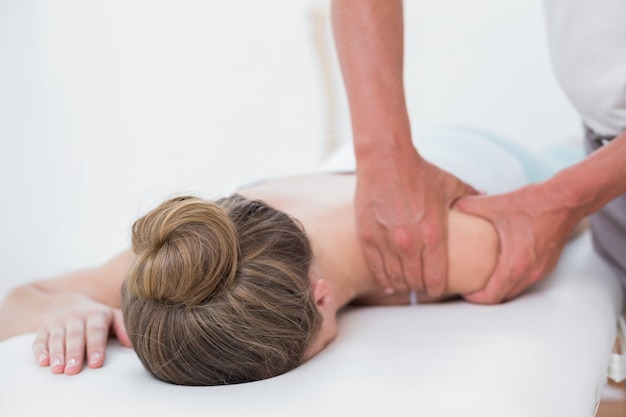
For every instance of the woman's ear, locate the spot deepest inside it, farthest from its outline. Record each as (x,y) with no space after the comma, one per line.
(323,294)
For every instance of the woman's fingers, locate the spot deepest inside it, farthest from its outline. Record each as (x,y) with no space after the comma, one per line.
(40,347)
(65,346)
(56,348)
(78,336)
(97,336)
(74,346)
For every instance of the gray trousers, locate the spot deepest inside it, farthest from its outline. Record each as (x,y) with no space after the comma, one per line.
(608,226)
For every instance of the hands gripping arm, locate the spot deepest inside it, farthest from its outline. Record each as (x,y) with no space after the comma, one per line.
(401,201)
(535,222)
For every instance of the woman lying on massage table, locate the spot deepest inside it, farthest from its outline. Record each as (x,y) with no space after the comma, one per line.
(238,289)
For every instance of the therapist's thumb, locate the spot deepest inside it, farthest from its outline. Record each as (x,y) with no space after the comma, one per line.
(472,204)
(489,295)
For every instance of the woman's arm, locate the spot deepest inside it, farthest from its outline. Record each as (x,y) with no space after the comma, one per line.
(71,313)
(473,247)
(473,252)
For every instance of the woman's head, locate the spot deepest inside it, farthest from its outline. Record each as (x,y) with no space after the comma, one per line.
(218,292)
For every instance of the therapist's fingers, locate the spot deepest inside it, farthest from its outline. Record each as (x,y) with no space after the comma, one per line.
(412,265)
(435,262)
(395,272)
(408,250)
(403,258)
(530,277)
(74,345)
(374,261)
(494,292)
(383,264)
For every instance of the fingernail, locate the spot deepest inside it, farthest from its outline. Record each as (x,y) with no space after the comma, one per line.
(72,362)
(389,290)
(42,358)
(95,357)
(56,362)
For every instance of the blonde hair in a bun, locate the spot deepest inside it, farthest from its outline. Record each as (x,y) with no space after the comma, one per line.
(218,292)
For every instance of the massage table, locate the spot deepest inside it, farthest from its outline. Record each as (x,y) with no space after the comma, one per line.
(546,353)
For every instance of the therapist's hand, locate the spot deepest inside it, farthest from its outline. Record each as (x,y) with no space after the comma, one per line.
(533,226)
(402,205)
(76,334)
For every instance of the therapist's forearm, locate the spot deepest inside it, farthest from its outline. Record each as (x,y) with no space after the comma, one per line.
(586,187)
(369,37)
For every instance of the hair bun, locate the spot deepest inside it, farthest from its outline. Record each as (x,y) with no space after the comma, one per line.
(186,251)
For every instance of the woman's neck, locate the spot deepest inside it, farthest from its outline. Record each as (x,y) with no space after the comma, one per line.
(323,204)
(347,286)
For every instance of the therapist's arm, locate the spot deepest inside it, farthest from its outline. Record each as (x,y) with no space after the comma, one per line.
(535,222)
(73,315)
(401,200)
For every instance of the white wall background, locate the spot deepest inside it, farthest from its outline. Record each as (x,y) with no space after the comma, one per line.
(107,107)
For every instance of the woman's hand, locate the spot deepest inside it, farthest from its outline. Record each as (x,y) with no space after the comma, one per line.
(78,333)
